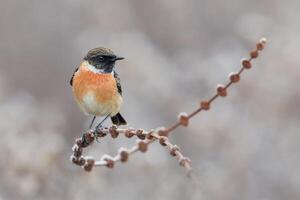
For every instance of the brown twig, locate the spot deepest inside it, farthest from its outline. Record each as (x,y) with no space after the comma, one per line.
(160,134)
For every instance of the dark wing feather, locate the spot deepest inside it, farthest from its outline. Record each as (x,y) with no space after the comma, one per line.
(118,81)
(71,81)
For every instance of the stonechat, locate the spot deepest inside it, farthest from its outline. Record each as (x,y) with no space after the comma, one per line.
(96,86)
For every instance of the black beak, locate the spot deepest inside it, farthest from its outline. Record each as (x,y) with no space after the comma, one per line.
(118,58)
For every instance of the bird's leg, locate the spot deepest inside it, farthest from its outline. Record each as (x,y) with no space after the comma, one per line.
(100,124)
(92,122)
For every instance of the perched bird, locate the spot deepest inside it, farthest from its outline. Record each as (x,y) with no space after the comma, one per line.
(96,86)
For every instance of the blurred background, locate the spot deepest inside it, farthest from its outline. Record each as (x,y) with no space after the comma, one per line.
(245,147)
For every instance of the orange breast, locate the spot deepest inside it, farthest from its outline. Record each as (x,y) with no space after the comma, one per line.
(103,86)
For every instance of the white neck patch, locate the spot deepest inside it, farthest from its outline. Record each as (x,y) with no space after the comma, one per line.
(94,69)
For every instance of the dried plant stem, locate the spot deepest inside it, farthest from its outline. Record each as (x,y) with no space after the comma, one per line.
(160,134)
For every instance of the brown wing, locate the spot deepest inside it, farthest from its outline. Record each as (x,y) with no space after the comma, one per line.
(118,81)
(71,81)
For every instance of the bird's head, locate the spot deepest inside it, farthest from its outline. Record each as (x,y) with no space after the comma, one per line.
(103,59)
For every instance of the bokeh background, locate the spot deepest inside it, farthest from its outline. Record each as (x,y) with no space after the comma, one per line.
(245,147)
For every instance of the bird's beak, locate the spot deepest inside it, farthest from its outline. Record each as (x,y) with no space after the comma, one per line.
(118,58)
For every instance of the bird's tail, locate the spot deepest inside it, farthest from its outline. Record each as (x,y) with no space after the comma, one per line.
(118,120)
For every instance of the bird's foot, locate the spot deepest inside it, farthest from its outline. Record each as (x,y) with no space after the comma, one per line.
(99,132)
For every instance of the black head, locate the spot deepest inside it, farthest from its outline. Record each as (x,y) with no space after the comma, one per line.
(102,58)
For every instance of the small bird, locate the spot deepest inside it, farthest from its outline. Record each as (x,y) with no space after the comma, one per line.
(96,86)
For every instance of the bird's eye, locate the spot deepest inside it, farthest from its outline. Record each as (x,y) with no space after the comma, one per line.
(101,58)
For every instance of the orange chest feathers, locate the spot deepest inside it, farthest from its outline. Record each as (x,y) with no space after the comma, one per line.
(102,86)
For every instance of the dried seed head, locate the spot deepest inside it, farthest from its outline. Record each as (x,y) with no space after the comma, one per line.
(149,135)
(74,159)
(261,44)
(183,119)
(124,154)
(109,161)
(77,151)
(142,146)
(113,131)
(162,140)
(161,131)
(140,134)
(182,161)
(100,132)
(173,150)
(89,164)
(205,105)
(89,136)
(78,141)
(75,147)
(81,161)
(246,64)
(234,77)
(263,41)
(221,90)
(87,168)
(254,54)
(78,161)
(87,139)
(129,132)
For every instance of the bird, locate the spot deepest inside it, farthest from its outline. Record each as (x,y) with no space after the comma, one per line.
(96,86)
